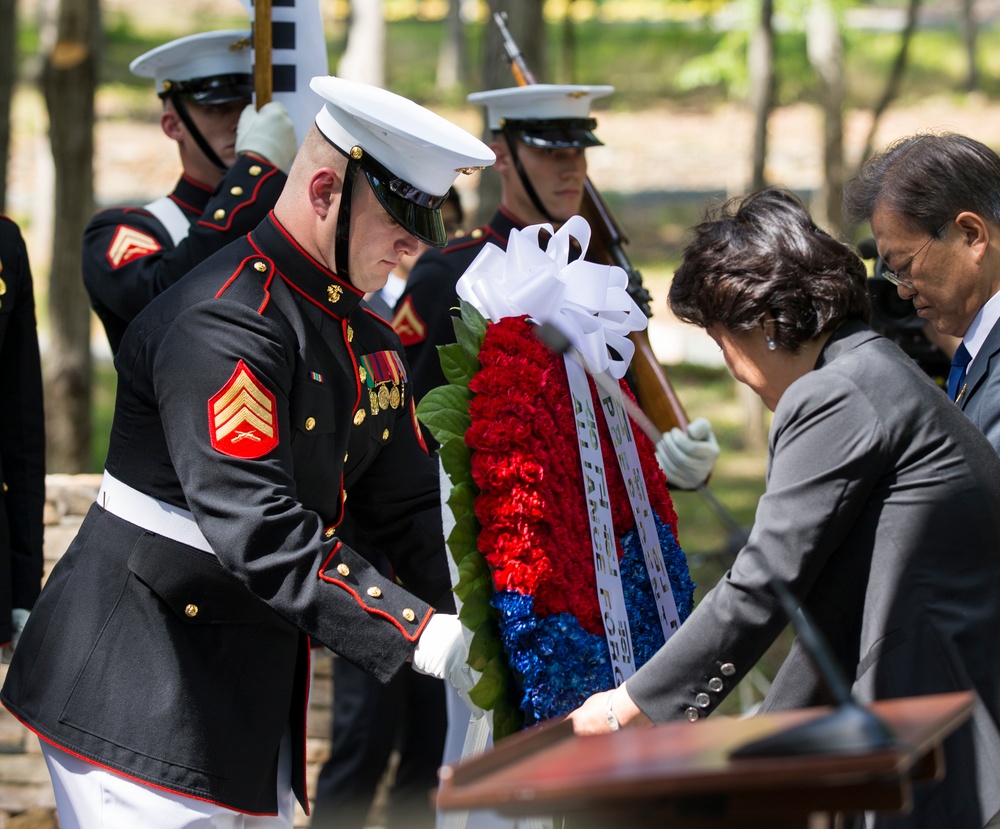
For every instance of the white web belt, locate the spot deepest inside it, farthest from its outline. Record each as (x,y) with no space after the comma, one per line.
(149,513)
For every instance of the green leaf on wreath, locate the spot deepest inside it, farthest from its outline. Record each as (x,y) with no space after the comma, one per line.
(492,685)
(474,321)
(476,610)
(462,538)
(473,571)
(507,720)
(472,587)
(470,328)
(456,458)
(485,645)
(445,411)
(462,499)
(456,365)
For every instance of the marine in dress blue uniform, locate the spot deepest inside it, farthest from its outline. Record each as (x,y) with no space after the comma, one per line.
(133,253)
(22,439)
(256,396)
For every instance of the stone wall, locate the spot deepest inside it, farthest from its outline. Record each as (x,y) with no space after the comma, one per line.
(26,799)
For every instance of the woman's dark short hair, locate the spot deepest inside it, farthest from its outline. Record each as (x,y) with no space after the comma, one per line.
(927,179)
(762,257)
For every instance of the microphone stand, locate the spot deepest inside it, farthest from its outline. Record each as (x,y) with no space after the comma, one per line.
(849,728)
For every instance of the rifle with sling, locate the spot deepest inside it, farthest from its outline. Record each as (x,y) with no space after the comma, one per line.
(652,387)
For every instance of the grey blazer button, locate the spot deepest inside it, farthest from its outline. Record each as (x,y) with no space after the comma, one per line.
(715,684)
(728,669)
(702,701)
(692,714)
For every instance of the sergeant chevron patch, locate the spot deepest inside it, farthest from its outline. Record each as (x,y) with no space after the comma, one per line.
(408,325)
(128,244)
(242,421)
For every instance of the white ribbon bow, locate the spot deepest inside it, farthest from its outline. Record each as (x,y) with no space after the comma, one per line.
(588,303)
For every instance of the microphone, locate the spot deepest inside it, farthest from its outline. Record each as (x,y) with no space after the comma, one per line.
(850,727)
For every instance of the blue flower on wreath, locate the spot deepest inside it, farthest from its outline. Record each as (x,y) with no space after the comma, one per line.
(558,663)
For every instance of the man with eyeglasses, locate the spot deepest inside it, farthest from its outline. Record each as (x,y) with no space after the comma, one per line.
(933,202)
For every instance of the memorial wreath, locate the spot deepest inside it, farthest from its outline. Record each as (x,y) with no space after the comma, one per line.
(566,561)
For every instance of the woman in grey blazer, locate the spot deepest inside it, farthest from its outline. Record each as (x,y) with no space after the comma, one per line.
(881,513)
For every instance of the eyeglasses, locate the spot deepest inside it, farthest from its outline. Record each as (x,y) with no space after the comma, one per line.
(895,276)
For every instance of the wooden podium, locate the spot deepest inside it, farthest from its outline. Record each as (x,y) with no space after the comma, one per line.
(680,774)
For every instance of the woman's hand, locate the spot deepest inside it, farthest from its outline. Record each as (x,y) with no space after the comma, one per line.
(593,716)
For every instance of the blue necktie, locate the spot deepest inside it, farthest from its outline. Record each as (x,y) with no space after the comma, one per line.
(957,373)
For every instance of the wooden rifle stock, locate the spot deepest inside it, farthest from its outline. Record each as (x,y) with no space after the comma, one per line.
(653,389)
(518,65)
(263,79)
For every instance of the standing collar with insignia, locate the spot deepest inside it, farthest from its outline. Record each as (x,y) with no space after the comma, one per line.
(192,194)
(304,274)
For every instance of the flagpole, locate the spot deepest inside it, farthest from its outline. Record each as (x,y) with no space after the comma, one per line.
(263,79)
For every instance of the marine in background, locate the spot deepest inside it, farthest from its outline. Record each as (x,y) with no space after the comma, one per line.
(233,160)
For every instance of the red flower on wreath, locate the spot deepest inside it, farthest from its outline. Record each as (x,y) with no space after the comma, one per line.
(525,461)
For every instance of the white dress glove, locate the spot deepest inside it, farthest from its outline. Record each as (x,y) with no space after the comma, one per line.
(18,618)
(687,459)
(442,652)
(268,133)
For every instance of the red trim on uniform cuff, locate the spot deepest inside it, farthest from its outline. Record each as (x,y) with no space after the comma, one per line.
(387,616)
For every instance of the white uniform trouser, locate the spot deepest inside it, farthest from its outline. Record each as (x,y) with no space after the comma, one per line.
(90,797)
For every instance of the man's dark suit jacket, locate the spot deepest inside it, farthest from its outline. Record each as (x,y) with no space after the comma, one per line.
(981,398)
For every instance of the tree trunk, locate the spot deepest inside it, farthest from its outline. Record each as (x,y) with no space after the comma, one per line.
(527,27)
(760,56)
(567,57)
(970,30)
(895,78)
(451,59)
(364,58)
(8,73)
(826,54)
(69,80)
